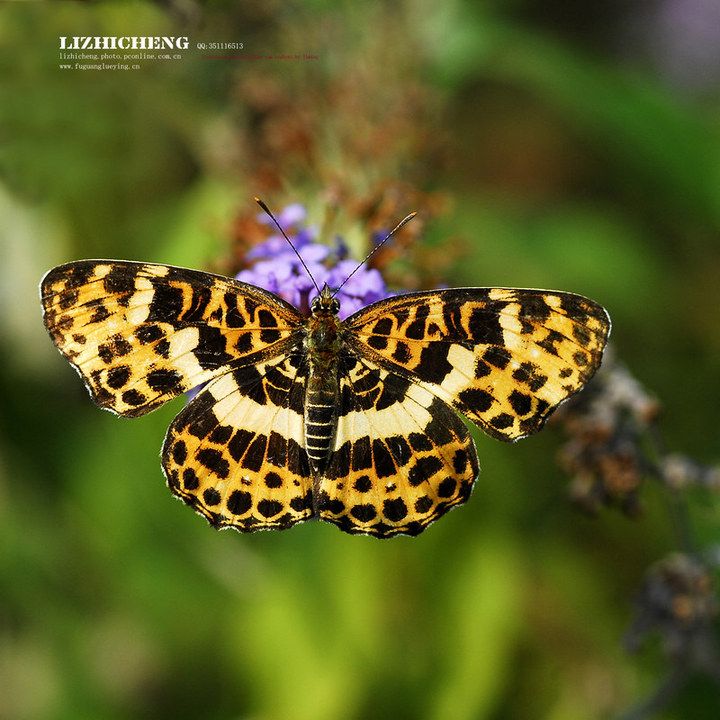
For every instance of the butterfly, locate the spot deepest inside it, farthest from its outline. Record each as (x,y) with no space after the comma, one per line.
(303,416)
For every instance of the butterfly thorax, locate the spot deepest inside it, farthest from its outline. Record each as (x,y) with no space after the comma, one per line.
(322,344)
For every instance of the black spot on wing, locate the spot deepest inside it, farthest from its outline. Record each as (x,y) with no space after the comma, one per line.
(502,421)
(484,327)
(239,444)
(244,343)
(273,480)
(416,329)
(119,281)
(211,348)
(100,314)
(423,504)
(133,397)
(420,442)
(269,508)
(77,274)
(400,449)
(460,461)
(433,365)
(190,479)
(401,354)
(328,504)
(297,459)
(149,333)
(298,504)
(249,380)
(384,465)
(340,462)
(162,348)
(233,317)
(498,357)
(214,461)
(363,484)
(548,343)
(118,376)
(200,420)
(534,307)
(529,374)
(377,342)
(114,348)
(255,455)
(383,326)
(167,303)
(481,369)
(436,429)
(363,513)
(179,452)
(521,402)
(239,502)
(447,487)
(221,434)
(395,510)
(361,457)
(163,381)
(268,323)
(476,399)
(68,299)
(277,449)
(250,305)
(211,497)
(424,469)
(394,388)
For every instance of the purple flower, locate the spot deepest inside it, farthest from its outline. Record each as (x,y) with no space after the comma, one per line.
(278,269)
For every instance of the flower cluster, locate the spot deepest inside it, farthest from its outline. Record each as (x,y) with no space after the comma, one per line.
(277,268)
(605,454)
(677,599)
(614,444)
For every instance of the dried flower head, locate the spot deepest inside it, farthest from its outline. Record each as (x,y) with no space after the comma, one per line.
(605,452)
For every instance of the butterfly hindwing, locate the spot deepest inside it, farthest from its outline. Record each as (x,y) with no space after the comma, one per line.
(140,334)
(505,358)
(236,452)
(401,457)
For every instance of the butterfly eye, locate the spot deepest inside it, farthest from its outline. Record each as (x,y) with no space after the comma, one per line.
(315,305)
(335,306)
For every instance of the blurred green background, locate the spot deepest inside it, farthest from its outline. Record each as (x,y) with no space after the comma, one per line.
(575,146)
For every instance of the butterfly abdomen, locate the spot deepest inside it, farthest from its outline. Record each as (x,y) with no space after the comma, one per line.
(320,420)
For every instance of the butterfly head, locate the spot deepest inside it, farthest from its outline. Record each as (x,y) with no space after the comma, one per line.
(325,303)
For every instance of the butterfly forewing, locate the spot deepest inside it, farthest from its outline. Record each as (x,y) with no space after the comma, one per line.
(503,357)
(140,334)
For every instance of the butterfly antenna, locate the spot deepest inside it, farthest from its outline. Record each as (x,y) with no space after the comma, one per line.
(376,248)
(284,234)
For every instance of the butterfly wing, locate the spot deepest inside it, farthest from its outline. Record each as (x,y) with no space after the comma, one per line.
(236,452)
(505,358)
(140,334)
(401,457)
